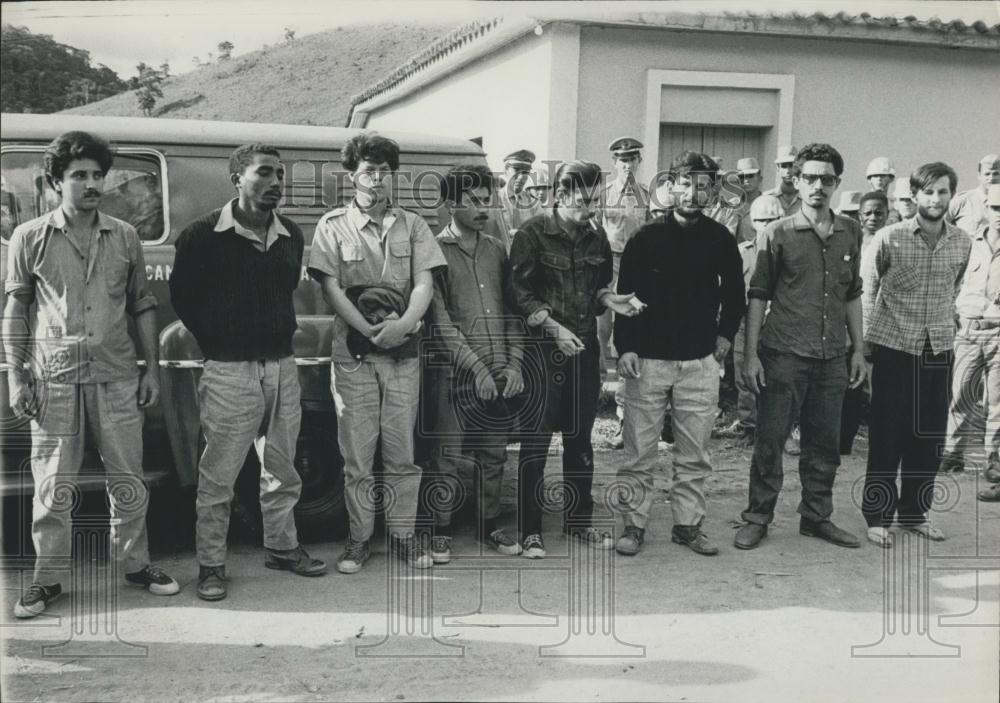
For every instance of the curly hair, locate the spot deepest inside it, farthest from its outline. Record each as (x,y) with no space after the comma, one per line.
(925,175)
(242,156)
(463,178)
(68,147)
(873,195)
(688,162)
(369,146)
(817,151)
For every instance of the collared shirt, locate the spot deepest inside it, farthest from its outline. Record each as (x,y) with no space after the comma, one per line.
(80,331)
(809,282)
(735,218)
(979,296)
(514,211)
(625,209)
(748,255)
(967,211)
(789,205)
(565,275)
(274,229)
(471,294)
(351,248)
(910,289)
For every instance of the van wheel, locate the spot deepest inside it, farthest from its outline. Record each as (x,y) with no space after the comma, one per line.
(321,513)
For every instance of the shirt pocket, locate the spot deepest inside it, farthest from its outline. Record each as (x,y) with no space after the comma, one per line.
(905,278)
(399,260)
(557,262)
(353,267)
(116,271)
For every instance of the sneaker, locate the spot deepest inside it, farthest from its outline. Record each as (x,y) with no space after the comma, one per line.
(35,599)
(736,430)
(630,543)
(154,580)
(618,441)
(792,446)
(354,557)
(295,560)
(500,541)
(441,549)
(212,582)
(692,537)
(408,549)
(534,547)
(597,538)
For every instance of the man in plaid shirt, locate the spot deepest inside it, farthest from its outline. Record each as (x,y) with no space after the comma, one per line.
(911,280)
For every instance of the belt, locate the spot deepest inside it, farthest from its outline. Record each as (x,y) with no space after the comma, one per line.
(980,324)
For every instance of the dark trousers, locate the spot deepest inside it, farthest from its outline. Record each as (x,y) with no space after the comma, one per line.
(569,390)
(811,390)
(851,413)
(909,418)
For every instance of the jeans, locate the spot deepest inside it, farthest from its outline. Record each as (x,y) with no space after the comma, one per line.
(572,386)
(244,404)
(813,391)
(908,422)
(111,411)
(746,401)
(977,369)
(694,387)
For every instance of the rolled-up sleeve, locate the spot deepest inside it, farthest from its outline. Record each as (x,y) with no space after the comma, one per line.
(20,280)
(324,255)
(766,271)
(427,254)
(873,264)
(138,297)
(523,272)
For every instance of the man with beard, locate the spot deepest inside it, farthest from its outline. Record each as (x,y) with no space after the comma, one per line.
(786,192)
(687,267)
(968,210)
(911,280)
(74,276)
(561,268)
(234,274)
(808,268)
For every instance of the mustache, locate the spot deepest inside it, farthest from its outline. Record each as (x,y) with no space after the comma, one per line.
(92,193)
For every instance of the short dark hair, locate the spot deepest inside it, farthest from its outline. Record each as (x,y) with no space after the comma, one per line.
(873,195)
(69,147)
(924,175)
(573,175)
(688,162)
(369,146)
(463,178)
(818,151)
(242,156)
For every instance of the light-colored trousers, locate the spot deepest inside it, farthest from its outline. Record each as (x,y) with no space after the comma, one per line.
(244,404)
(691,388)
(111,412)
(378,398)
(975,383)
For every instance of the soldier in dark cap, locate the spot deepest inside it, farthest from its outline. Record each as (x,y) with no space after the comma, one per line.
(517,205)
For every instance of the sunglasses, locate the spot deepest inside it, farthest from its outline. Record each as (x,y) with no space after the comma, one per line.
(826,179)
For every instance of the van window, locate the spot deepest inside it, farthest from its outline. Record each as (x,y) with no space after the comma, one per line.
(133,191)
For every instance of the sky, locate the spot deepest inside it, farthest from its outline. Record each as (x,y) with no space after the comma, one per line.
(120,34)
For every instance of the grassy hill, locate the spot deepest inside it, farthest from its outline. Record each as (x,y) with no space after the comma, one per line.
(308,81)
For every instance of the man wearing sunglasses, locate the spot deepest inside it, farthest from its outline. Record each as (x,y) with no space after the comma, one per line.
(808,267)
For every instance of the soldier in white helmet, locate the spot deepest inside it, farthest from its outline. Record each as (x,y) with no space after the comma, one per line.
(850,203)
(880,175)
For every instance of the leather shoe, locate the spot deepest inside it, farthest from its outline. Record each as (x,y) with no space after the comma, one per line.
(212,582)
(693,538)
(991,494)
(826,530)
(296,561)
(750,535)
(992,473)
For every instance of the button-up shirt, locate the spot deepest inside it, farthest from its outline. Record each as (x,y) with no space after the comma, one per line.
(351,248)
(274,229)
(789,205)
(471,294)
(562,274)
(81,299)
(967,211)
(514,211)
(979,296)
(625,209)
(910,289)
(809,281)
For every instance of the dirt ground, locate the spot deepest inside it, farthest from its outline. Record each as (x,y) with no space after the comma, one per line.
(795,620)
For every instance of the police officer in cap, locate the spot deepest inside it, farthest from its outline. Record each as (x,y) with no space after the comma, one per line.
(786,192)
(517,205)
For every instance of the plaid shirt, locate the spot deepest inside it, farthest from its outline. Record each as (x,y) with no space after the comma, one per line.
(910,290)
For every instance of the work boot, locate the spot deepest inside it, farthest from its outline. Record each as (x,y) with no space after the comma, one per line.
(154,580)
(990,494)
(34,601)
(630,543)
(826,530)
(294,560)
(212,582)
(992,473)
(692,537)
(750,535)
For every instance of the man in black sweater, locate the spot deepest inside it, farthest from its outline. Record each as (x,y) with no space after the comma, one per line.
(234,275)
(684,267)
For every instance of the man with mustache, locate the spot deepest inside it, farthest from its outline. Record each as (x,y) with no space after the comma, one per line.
(968,210)
(561,268)
(688,268)
(911,280)
(73,277)
(374,243)
(808,268)
(234,274)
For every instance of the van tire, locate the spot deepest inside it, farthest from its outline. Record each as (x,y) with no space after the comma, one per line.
(321,513)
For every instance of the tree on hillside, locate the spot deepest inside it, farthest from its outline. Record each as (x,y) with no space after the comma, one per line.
(289,34)
(165,69)
(225,50)
(38,74)
(146,86)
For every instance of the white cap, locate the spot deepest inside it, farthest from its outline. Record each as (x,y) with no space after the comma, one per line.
(880,166)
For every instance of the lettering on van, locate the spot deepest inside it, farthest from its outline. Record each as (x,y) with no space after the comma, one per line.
(159,272)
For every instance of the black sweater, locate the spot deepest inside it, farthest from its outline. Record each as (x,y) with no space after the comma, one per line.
(683,274)
(235,299)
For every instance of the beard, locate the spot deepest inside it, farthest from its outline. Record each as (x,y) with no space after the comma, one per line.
(927,215)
